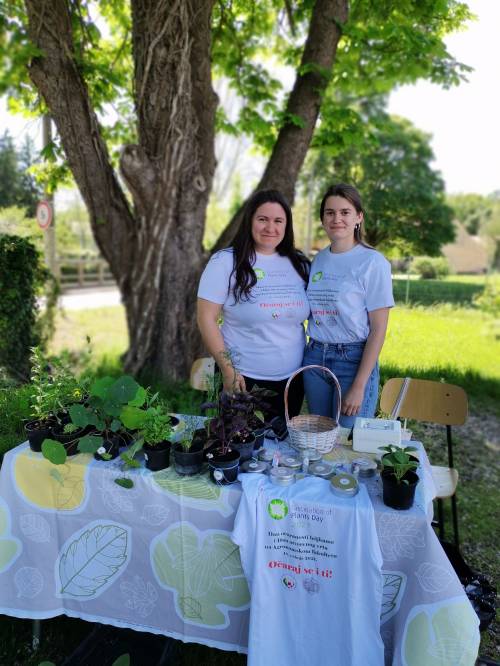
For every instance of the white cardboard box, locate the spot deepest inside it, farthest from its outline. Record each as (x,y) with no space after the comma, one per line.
(369,434)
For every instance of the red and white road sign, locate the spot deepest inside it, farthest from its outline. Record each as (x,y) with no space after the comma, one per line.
(44,214)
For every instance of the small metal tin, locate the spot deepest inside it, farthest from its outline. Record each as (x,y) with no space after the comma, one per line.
(282,476)
(344,485)
(265,455)
(311,454)
(322,469)
(254,466)
(342,466)
(366,467)
(291,461)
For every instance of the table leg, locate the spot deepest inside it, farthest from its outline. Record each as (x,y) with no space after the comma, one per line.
(36,633)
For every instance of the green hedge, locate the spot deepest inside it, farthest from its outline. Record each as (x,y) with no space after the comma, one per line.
(22,277)
(429,292)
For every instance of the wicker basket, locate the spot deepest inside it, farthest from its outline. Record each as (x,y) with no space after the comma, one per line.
(309,431)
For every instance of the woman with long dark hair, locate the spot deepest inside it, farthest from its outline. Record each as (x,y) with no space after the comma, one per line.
(350,294)
(257,287)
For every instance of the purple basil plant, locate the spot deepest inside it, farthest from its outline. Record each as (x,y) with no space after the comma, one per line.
(236,418)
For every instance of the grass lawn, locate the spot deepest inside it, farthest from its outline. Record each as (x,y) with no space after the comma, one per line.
(451,342)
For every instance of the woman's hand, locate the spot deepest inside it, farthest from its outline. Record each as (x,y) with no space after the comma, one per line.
(232,381)
(352,400)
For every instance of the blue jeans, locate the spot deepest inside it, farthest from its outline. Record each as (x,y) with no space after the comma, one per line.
(343,360)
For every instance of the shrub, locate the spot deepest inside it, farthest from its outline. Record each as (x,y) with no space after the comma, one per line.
(489,300)
(430,267)
(22,278)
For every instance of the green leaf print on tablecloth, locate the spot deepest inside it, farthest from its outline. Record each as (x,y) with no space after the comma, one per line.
(92,559)
(197,492)
(203,568)
(442,634)
(10,548)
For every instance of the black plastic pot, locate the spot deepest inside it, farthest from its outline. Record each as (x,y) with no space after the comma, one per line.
(259,435)
(188,462)
(245,449)
(224,467)
(398,495)
(200,436)
(112,446)
(68,439)
(158,456)
(36,431)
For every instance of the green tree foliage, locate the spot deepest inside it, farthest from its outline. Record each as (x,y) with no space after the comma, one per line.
(472,210)
(481,216)
(22,277)
(403,196)
(17,184)
(136,75)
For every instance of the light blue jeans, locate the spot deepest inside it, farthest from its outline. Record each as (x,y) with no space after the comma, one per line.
(343,360)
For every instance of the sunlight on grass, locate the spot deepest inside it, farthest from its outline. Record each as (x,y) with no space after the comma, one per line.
(106,328)
(443,338)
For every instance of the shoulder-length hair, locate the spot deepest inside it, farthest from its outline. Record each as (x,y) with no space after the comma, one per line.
(244,245)
(352,195)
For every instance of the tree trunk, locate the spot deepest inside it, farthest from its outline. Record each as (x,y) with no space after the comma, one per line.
(155,250)
(303,106)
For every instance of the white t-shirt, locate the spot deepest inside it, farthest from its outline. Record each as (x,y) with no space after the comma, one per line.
(313,564)
(343,288)
(265,335)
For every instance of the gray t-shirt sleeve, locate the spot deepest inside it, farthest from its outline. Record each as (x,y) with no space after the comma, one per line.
(214,280)
(378,284)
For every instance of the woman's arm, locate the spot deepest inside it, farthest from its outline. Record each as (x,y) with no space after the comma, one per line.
(208,314)
(353,399)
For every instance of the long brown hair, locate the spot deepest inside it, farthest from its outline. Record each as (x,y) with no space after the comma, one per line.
(244,245)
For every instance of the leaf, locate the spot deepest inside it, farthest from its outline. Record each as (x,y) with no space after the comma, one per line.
(79,415)
(140,398)
(124,389)
(115,425)
(132,417)
(90,443)
(123,660)
(54,451)
(29,582)
(56,474)
(101,387)
(92,560)
(190,607)
(35,527)
(124,482)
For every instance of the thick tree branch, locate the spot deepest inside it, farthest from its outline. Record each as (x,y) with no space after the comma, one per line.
(59,80)
(304,103)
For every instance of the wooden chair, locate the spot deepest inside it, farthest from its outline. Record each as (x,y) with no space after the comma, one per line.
(201,372)
(445,404)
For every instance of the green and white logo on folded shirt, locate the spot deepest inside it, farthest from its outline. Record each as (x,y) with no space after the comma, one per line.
(317,276)
(277,509)
(259,273)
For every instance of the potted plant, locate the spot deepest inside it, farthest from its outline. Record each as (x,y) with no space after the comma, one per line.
(53,389)
(399,479)
(189,451)
(102,412)
(232,429)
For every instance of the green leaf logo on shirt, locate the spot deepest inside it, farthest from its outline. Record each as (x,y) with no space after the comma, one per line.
(259,273)
(317,276)
(277,509)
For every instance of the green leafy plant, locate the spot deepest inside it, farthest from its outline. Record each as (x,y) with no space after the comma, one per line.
(186,438)
(397,461)
(103,409)
(22,279)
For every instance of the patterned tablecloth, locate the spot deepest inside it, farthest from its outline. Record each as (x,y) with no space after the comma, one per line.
(158,557)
